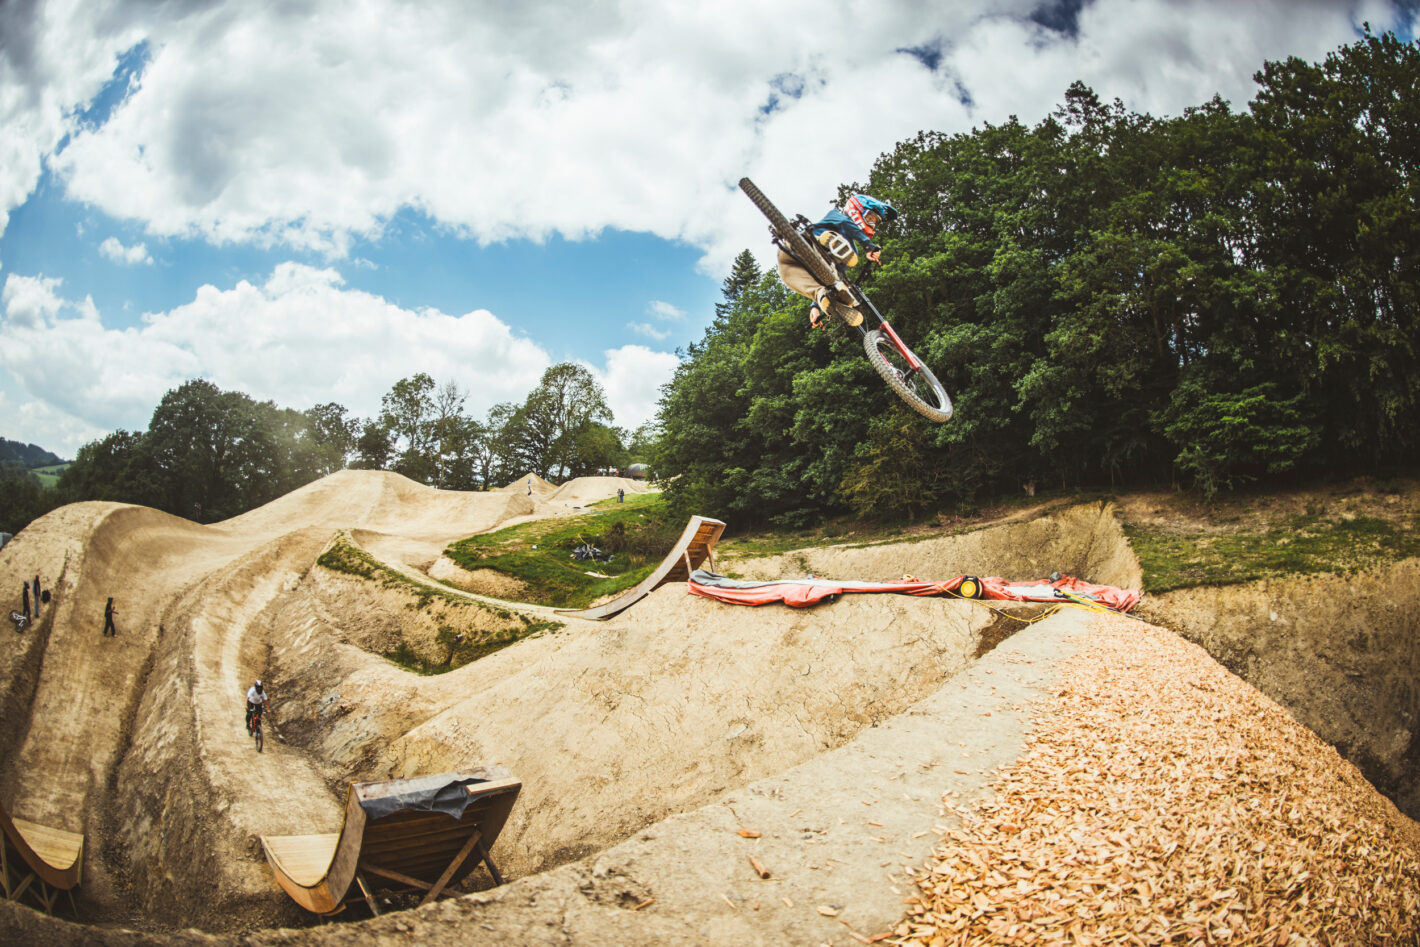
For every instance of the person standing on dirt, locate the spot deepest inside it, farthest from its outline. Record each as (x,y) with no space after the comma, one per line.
(842,233)
(25,598)
(256,701)
(36,596)
(109,612)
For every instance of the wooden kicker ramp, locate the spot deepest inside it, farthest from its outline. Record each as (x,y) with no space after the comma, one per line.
(695,547)
(398,834)
(38,862)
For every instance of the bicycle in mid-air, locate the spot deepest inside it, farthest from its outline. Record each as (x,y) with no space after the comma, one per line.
(890,357)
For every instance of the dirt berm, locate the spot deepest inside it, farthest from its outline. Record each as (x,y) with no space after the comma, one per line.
(643,743)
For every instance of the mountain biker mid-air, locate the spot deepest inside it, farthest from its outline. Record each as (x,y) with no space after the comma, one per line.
(256,701)
(840,233)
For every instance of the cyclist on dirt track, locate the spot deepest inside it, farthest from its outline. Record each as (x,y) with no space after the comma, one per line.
(256,701)
(841,233)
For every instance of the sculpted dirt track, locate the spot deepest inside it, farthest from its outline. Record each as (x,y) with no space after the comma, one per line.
(136,739)
(642,743)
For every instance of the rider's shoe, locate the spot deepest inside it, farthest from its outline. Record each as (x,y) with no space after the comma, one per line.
(851,314)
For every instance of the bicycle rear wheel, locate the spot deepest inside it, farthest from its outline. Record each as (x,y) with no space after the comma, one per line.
(918,387)
(799,248)
(257,735)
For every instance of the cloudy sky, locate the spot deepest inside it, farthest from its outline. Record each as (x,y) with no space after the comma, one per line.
(308,200)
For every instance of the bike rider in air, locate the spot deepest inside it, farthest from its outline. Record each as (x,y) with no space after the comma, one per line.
(841,233)
(256,701)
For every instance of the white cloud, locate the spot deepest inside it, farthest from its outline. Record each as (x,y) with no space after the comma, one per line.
(30,300)
(129,256)
(664,310)
(38,422)
(54,58)
(310,124)
(646,329)
(632,377)
(299,339)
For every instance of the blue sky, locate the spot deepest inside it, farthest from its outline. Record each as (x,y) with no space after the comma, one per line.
(307,202)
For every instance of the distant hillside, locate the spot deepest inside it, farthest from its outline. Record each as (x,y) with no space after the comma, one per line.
(29,455)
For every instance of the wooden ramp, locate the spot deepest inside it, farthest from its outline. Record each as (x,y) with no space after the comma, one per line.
(401,835)
(695,547)
(38,862)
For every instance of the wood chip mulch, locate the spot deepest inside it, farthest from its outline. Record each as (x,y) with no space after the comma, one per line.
(1162,800)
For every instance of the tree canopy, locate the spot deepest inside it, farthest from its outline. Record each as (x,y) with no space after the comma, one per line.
(1111,298)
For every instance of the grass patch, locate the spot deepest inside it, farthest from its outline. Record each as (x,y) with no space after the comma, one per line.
(464,649)
(460,647)
(49,476)
(539,554)
(1305,544)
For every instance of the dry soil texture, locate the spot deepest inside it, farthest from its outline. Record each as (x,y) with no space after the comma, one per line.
(644,743)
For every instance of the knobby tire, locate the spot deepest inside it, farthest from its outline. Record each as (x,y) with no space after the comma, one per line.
(920,389)
(256,734)
(799,248)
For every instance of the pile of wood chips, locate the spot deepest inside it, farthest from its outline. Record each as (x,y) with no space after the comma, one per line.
(1164,801)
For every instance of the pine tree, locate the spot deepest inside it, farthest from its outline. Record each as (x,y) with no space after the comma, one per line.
(743,274)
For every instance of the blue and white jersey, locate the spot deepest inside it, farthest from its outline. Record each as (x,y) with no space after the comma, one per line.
(850,221)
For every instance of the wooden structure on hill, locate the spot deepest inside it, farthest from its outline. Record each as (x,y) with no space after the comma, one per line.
(403,835)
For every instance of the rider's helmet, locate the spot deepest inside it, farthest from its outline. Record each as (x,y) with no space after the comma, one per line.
(257,685)
(859,206)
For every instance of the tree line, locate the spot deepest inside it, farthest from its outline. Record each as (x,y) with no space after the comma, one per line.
(210,454)
(1113,299)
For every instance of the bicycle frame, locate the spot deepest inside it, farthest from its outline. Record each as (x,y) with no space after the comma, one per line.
(801,223)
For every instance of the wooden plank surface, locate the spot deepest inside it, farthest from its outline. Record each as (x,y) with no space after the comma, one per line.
(55,846)
(304,858)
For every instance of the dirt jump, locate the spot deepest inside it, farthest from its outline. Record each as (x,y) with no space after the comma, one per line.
(689,771)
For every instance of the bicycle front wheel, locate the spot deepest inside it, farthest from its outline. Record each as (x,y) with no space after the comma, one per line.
(257,735)
(918,387)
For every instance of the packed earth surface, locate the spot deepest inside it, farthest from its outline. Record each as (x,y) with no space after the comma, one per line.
(1227,765)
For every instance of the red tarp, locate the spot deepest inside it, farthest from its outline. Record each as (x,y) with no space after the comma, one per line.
(802,593)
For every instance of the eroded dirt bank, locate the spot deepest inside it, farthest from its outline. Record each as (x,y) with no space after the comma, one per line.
(1085,541)
(1341,653)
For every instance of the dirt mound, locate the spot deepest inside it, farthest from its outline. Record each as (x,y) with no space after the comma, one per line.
(384,502)
(584,490)
(528,484)
(613,727)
